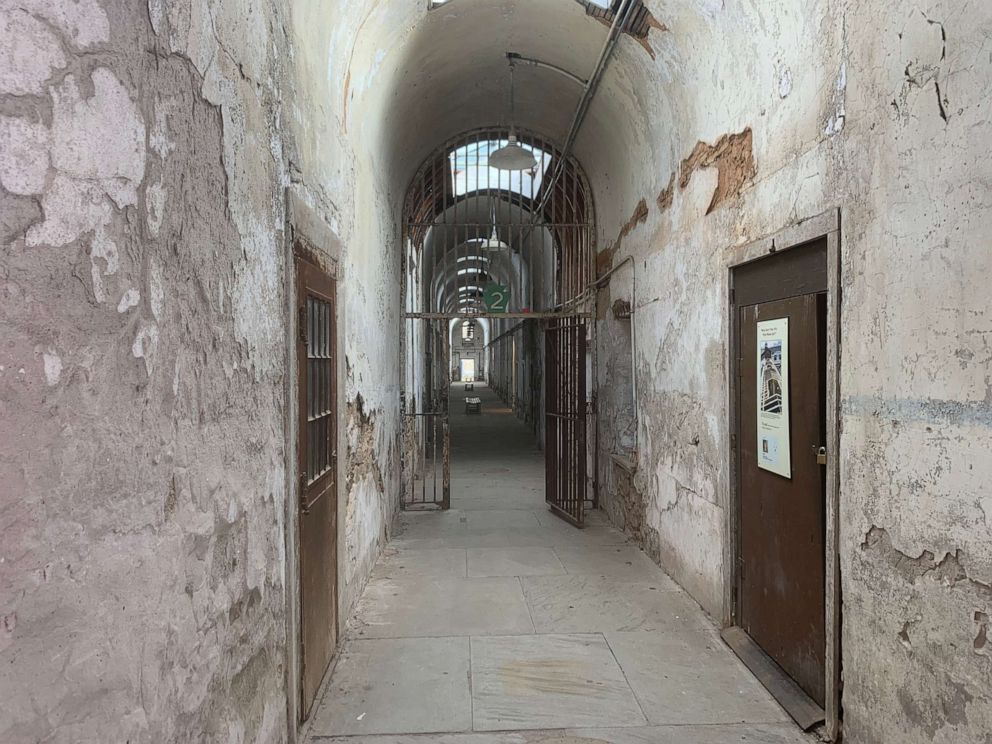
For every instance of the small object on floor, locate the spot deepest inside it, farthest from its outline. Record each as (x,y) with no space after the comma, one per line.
(469,386)
(473,405)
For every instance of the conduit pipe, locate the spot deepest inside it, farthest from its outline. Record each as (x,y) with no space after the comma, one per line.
(590,87)
(589,90)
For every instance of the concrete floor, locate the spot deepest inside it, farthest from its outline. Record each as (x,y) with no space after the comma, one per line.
(497,623)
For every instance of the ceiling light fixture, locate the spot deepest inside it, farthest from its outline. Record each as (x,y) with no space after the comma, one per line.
(512,156)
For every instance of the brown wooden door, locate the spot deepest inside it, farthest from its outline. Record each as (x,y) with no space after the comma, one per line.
(782,519)
(565,418)
(317,442)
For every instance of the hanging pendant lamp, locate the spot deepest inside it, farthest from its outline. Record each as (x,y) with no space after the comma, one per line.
(493,243)
(512,156)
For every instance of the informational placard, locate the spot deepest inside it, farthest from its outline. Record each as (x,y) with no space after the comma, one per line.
(496,297)
(773,397)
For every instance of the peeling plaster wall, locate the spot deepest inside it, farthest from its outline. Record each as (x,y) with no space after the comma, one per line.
(141,373)
(916,384)
(879,108)
(144,156)
(341,54)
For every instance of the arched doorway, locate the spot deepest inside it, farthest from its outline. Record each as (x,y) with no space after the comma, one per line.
(513,250)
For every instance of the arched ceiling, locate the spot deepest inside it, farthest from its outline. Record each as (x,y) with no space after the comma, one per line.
(456,64)
(416,77)
(387,81)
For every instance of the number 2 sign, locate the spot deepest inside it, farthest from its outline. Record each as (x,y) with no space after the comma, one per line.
(496,297)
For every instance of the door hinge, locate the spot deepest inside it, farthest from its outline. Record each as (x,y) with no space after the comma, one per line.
(304,508)
(302,321)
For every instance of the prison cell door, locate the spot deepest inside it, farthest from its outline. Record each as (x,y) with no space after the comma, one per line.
(782,562)
(317,462)
(565,418)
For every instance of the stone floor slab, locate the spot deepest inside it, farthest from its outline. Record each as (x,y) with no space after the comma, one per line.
(597,604)
(521,561)
(626,562)
(596,532)
(397,686)
(787,733)
(732,734)
(549,681)
(417,607)
(414,525)
(490,520)
(691,677)
(433,562)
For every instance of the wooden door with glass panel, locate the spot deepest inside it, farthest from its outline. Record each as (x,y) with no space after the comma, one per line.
(317,447)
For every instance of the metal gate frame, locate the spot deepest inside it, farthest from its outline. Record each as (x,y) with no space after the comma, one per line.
(426,426)
(565,455)
(465,224)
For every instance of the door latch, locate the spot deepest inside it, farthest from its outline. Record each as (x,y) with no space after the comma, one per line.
(821,456)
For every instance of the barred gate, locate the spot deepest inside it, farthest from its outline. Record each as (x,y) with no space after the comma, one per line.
(508,246)
(565,412)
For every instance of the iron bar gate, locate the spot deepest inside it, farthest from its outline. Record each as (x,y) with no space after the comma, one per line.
(565,410)
(487,243)
(426,432)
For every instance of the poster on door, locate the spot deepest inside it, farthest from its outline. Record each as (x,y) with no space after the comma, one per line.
(773,397)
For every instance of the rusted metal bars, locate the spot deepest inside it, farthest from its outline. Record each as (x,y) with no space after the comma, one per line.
(466,225)
(565,418)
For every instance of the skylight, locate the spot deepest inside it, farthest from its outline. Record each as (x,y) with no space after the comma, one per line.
(470,170)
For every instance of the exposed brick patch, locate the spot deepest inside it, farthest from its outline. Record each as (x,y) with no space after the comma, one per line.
(732,155)
(667,195)
(604,259)
(362,436)
(638,28)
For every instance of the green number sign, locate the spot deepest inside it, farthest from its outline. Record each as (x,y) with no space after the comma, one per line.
(496,297)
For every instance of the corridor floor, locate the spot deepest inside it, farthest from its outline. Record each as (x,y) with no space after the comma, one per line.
(497,623)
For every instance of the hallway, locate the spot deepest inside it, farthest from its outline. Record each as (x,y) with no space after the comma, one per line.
(726,258)
(496,616)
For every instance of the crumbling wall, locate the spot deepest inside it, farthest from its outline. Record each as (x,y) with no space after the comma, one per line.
(335,124)
(141,373)
(367,519)
(755,121)
(917,423)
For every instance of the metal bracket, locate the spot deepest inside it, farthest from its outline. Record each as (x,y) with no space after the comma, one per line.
(519,59)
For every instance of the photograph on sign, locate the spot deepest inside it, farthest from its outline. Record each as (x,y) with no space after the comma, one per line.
(773,397)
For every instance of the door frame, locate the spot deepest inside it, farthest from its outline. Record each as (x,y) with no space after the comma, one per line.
(824,226)
(307,236)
